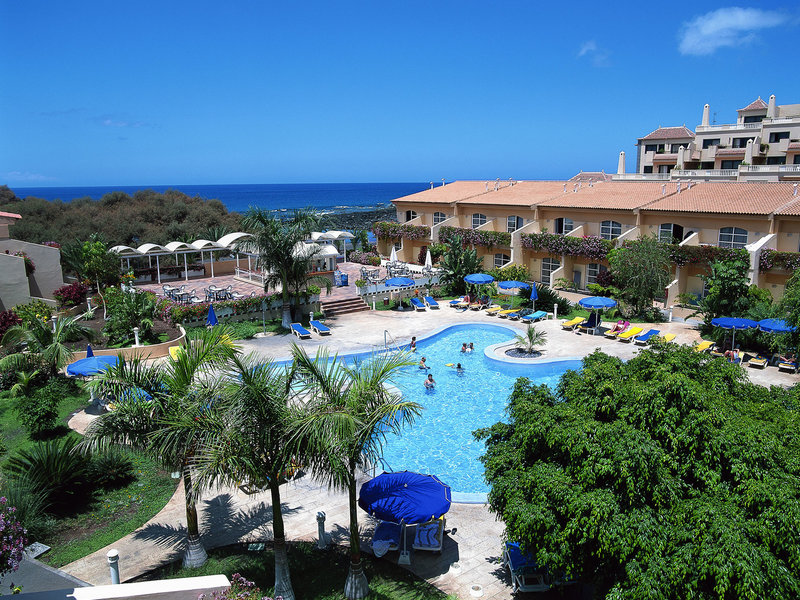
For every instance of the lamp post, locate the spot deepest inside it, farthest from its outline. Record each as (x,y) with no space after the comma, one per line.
(136,337)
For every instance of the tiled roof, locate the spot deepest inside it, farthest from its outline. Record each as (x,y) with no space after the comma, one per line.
(668,133)
(522,193)
(757,104)
(611,195)
(452,192)
(726,198)
(793,209)
(10,215)
(793,146)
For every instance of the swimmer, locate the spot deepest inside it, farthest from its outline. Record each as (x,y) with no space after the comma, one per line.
(422,364)
(471,347)
(464,347)
(459,369)
(430,383)
(413,346)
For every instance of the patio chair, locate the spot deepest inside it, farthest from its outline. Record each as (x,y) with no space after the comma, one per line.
(417,304)
(592,324)
(627,336)
(617,329)
(385,538)
(319,328)
(431,302)
(523,313)
(526,575)
(644,339)
(703,346)
(533,317)
(572,323)
(430,536)
(300,331)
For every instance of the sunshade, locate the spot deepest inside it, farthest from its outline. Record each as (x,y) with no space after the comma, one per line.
(393,255)
(399,281)
(513,285)
(735,324)
(212,316)
(479,278)
(91,366)
(597,303)
(428,259)
(775,326)
(405,497)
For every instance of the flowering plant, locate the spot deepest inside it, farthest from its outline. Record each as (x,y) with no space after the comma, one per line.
(12,538)
(365,258)
(52,244)
(241,589)
(71,295)
(474,237)
(588,246)
(172,312)
(704,255)
(772,259)
(8,318)
(395,231)
(30,268)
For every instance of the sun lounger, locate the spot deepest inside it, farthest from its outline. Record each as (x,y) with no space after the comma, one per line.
(493,310)
(319,328)
(627,336)
(537,316)
(790,367)
(174,352)
(572,323)
(620,327)
(300,331)
(457,302)
(644,339)
(523,313)
(417,304)
(431,302)
(703,346)
(503,314)
(385,538)
(592,324)
(430,536)
(526,575)
(759,362)
(666,338)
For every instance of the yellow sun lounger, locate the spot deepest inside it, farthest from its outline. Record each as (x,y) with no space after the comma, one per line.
(572,323)
(759,361)
(667,337)
(627,336)
(505,313)
(493,310)
(703,346)
(174,351)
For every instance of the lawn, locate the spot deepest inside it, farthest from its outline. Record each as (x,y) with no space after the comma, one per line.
(316,574)
(245,330)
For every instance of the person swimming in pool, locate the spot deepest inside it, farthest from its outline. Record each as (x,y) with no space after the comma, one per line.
(422,364)
(413,346)
(430,383)
(464,347)
(459,369)
(470,348)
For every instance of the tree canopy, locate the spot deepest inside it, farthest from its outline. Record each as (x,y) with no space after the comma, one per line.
(641,271)
(667,476)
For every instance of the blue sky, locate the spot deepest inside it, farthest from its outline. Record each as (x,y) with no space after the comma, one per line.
(129,93)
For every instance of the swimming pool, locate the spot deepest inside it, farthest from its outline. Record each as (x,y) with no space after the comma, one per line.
(440,441)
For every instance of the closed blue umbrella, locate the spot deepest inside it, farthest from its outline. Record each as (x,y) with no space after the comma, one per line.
(89,351)
(91,366)
(212,316)
(775,326)
(734,324)
(479,278)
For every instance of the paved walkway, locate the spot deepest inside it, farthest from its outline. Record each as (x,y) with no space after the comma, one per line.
(229,515)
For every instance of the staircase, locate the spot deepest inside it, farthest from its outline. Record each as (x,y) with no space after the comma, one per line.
(344,306)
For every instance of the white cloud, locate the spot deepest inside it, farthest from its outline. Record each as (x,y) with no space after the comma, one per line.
(586,47)
(725,27)
(590,49)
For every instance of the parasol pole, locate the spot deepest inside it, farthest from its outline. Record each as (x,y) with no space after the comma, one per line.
(405,555)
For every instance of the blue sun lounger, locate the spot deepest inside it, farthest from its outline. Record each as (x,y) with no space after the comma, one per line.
(526,575)
(533,317)
(431,302)
(644,339)
(320,328)
(300,331)
(385,538)
(417,304)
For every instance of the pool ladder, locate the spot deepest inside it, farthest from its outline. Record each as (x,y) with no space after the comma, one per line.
(386,338)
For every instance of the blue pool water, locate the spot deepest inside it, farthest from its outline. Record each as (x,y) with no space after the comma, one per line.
(440,441)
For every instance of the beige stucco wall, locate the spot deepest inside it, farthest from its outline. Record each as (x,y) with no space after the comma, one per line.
(48,276)
(590,219)
(13,281)
(707,226)
(788,234)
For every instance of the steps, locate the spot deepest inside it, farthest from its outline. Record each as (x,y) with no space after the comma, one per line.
(334,308)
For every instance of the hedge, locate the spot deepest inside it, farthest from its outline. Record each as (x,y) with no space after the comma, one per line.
(704,255)
(772,259)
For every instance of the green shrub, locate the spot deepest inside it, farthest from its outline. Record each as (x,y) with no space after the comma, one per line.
(511,273)
(111,469)
(128,310)
(38,411)
(56,469)
(35,310)
(547,298)
(31,507)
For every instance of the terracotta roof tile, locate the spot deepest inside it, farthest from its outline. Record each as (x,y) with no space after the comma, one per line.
(726,198)
(666,133)
(793,146)
(792,209)
(611,195)
(522,193)
(10,215)
(587,176)
(757,104)
(452,192)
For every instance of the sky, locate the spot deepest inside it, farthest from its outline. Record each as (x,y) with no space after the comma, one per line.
(157,93)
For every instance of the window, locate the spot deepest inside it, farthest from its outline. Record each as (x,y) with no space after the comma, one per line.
(439,217)
(648,169)
(654,148)
(610,230)
(741,142)
(564,225)
(754,119)
(501,260)
(707,165)
(398,245)
(548,266)
(411,214)
(777,136)
(676,147)
(730,164)
(665,168)
(514,223)
(796,159)
(710,142)
(732,237)
(670,233)
(776,160)
(477,220)
(591,272)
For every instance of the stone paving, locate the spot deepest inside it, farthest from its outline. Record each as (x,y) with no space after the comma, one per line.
(229,515)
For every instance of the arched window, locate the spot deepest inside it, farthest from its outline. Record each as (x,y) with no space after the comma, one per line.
(411,214)
(670,233)
(500,260)
(610,230)
(439,217)
(548,266)
(514,223)
(477,220)
(732,237)
(564,226)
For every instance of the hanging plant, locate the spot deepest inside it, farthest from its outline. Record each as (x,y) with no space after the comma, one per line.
(30,268)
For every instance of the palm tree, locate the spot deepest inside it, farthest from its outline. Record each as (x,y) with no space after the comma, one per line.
(45,348)
(458,262)
(255,444)
(532,338)
(298,276)
(349,411)
(181,389)
(275,241)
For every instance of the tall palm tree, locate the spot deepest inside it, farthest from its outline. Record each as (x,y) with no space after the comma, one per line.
(348,413)
(257,415)
(275,242)
(299,278)
(181,388)
(44,348)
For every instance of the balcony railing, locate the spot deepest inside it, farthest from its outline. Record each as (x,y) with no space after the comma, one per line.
(717,173)
(702,128)
(640,177)
(771,168)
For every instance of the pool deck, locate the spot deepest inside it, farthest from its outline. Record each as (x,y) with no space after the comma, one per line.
(229,515)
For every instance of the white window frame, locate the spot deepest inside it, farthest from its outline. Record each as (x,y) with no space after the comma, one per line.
(567,225)
(607,229)
(439,217)
(500,260)
(549,265)
(398,245)
(732,237)
(517,223)
(666,232)
(478,219)
(413,214)
(592,269)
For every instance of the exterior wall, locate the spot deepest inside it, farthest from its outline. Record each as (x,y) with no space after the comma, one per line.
(424,211)
(48,276)
(788,234)
(497,216)
(590,219)
(13,282)
(707,226)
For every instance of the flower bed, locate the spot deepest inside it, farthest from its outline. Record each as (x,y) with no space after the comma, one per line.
(703,255)
(772,259)
(589,246)
(173,312)
(71,295)
(395,231)
(474,237)
(365,258)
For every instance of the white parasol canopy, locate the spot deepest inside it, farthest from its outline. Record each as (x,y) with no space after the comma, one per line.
(393,255)
(428,259)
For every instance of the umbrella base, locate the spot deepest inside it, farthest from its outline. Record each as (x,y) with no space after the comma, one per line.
(405,558)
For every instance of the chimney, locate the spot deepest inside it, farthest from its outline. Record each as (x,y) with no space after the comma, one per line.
(795,190)
(663,189)
(679,166)
(706,109)
(771,107)
(621,163)
(575,189)
(565,187)
(431,185)
(678,187)
(487,186)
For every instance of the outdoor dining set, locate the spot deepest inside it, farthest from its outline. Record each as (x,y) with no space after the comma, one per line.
(210,294)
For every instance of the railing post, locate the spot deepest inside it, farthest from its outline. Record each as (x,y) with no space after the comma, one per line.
(113,565)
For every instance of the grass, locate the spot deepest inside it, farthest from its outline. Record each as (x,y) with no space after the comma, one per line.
(245,330)
(316,574)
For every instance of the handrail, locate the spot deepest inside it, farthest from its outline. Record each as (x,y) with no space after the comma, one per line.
(388,335)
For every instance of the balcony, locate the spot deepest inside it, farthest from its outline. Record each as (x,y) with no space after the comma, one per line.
(640,177)
(666,158)
(707,174)
(770,168)
(727,127)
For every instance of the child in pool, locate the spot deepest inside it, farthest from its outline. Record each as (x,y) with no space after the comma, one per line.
(430,383)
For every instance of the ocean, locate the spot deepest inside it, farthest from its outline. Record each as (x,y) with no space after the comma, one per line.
(280,197)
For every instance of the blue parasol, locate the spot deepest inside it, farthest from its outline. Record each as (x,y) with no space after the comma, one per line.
(91,366)
(597,303)
(775,326)
(735,324)
(212,316)
(479,278)
(399,282)
(405,497)
(513,285)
